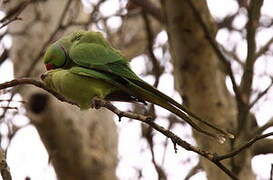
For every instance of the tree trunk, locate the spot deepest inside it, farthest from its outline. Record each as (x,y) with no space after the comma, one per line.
(200,81)
(82,145)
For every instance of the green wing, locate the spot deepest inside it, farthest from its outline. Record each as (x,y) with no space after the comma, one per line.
(123,93)
(107,60)
(98,57)
(92,54)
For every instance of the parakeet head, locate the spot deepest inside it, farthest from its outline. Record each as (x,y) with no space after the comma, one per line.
(55,57)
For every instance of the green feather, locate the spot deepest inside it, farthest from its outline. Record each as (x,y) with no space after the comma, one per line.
(77,87)
(89,55)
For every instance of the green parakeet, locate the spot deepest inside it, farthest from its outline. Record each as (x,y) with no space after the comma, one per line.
(87,66)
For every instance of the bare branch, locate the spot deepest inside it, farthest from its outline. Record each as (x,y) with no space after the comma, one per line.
(264,49)
(264,146)
(4,56)
(149,8)
(34,82)
(194,171)
(247,78)
(271,172)
(14,13)
(243,147)
(261,94)
(97,103)
(4,168)
(261,129)
(157,69)
(213,157)
(218,52)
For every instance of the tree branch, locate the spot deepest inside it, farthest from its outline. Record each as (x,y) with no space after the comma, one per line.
(97,103)
(34,82)
(264,49)
(194,171)
(4,168)
(14,13)
(243,147)
(263,146)
(267,125)
(150,8)
(261,94)
(217,51)
(247,78)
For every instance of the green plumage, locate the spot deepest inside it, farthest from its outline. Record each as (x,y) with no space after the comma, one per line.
(91,67)
(77,87)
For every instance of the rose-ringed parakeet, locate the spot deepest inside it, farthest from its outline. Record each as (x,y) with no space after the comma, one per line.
(87,63)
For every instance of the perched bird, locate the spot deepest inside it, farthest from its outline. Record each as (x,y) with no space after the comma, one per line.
(83,65)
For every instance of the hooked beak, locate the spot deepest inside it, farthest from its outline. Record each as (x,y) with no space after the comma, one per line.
(49,66)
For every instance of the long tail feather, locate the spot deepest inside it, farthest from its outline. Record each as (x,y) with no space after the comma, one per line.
(150,88)
(158,100)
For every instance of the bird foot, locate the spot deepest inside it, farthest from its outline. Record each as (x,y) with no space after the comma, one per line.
(95,103)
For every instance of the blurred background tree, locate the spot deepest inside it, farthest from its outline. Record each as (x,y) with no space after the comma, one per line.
(215,63)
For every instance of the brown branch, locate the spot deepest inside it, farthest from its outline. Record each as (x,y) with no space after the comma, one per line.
(4,168)
(261,129)
(150,8)
(263,146)
(4,56)
(261,94)
(10,21)
(12,15)
(25,81)
(247,78)
(175,139)
(157,69)
(232,54)
(264,49)
(252,25)
(217,51)
(243,147)
(271,172)
(194,171)
(213,157)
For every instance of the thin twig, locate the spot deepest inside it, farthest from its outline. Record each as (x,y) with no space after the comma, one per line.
(261,129)
(175,139)
(218,52)
(150,8)
(194,171)
(261,94)
(247,77)
(264,49)
(13,14)
(22,81)
(213,157)
(243,147)
(271,172)
(157,68)
(4,168)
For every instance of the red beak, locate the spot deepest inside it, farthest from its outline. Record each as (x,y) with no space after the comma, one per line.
(49,66)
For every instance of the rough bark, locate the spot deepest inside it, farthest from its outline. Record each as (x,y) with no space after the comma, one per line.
(200,81)
(81,145)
